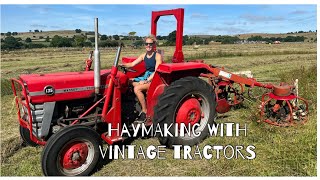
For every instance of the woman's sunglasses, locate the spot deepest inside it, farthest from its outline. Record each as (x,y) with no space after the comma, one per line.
(146,44)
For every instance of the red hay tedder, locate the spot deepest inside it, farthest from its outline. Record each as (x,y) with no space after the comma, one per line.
(68,112)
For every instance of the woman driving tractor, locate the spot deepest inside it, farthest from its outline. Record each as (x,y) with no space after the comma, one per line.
(141,84)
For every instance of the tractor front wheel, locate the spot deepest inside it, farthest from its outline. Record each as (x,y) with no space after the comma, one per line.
(187,101)
(25,135)
(73,151)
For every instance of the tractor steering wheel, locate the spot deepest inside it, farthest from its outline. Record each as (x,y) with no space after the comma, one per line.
(125,70)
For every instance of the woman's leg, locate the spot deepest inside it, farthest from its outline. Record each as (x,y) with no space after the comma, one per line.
(138,90)
(135,84)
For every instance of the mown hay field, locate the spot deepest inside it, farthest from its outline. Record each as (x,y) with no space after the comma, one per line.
(279,151)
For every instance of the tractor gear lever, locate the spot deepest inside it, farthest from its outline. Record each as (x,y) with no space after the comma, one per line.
(116,61)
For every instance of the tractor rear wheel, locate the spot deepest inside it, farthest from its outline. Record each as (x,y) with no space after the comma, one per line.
(188,100)
(25,135)
(73,151)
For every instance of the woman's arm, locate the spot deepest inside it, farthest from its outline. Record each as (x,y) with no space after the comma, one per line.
(133,63)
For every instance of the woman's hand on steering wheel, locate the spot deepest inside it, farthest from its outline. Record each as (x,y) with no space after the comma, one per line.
(125,69)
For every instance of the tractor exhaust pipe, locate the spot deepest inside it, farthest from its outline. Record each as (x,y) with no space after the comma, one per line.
(96,59)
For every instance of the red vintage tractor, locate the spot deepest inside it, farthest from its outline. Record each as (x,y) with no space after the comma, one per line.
(68,112)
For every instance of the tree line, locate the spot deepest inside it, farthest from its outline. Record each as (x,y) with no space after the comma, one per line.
(11,42)
(81,40)
(272,39)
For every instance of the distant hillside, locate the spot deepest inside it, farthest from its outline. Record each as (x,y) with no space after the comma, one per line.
(309,35)
(36,36)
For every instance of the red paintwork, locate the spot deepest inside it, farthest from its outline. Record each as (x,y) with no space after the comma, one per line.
(88,64)
(179,15)
(169,68)
(37,83)
(189,112)
(109,91)
(78,148)
(223,83)
(155,90)
(289,97)
(113,115)
(222,106)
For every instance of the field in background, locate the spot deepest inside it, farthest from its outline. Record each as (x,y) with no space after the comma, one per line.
(280,151)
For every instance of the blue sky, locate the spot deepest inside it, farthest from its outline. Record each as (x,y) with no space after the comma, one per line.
(199,19)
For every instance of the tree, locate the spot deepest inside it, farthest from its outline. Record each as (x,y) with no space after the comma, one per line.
(14,33)
(171,39)
(116,37)
(125,38)
(92,39)
(132,34)
(28,40)
(78,30)
(47,39)
(138,43)
(34,45)
(185,39)
(79,41)
(103,37)
(10,43)
(108,43)
(58,41)
(87,44)
(255,38)
(8,33)
(36,30)
(55,41)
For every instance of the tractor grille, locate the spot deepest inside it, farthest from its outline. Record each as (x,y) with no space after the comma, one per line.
(37,112)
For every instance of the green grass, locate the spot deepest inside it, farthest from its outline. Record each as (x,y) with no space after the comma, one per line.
(5,87)
(279,151)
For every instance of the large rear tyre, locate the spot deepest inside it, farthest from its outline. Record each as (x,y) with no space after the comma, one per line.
(25,135)
(188,100)
(73,151)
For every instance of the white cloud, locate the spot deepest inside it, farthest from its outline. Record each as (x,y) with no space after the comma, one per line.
(198,15)
(258,18)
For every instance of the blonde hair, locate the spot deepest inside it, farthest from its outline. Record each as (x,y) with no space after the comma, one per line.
(152,37)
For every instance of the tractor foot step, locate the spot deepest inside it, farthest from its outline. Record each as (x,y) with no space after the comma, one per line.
(136,124)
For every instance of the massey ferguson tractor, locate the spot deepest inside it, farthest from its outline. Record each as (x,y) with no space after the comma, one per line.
(68,112)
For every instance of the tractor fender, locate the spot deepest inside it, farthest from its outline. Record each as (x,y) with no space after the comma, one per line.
(173,71)
(187,67)
(166,74)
